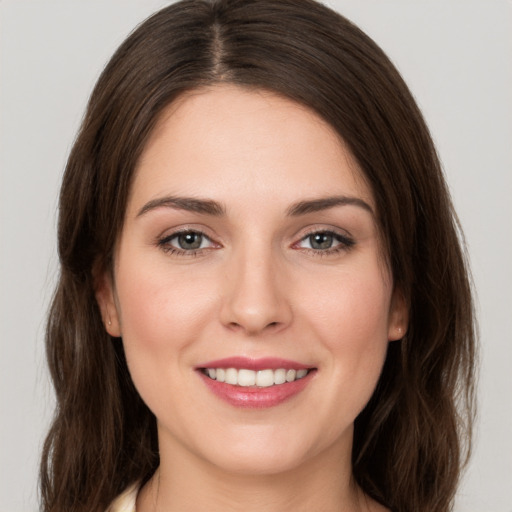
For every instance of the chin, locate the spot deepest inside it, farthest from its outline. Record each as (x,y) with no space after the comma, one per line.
(267,451)
(254,463)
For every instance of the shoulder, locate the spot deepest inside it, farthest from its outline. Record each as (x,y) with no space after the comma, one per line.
(125,502)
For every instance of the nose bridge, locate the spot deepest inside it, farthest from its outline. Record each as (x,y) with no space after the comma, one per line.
(254,301)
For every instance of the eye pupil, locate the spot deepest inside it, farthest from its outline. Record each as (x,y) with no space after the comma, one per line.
(321,241)
(190,241)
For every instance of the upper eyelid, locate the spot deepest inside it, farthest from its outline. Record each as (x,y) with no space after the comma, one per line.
(171,236)
(182,231)
(172,232)
(311,230)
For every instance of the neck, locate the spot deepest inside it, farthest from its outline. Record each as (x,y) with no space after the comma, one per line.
(184,482)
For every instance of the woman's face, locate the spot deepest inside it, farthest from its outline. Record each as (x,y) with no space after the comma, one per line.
(250,254)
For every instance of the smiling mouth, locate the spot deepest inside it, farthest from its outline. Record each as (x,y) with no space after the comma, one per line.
(251,378)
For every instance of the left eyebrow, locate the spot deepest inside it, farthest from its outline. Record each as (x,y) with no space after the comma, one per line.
(324,203)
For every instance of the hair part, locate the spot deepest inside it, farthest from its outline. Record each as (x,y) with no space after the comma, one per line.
(413,436)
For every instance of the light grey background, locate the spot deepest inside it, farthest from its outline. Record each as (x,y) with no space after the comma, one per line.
(456,56)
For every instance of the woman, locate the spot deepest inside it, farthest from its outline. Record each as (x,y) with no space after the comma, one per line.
(263,301)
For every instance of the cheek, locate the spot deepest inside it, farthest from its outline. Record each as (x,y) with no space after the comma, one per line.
(350,307)
(161,316)
(158,308)
(350,318)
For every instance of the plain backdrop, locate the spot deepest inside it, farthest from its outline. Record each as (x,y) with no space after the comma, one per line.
(456,56)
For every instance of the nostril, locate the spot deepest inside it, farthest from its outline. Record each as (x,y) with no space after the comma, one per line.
(237,326)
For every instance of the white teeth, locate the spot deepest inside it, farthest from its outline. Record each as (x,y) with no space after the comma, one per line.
(231,376)
(280,376)
(246,378)
(265,378)
(261,378)
(290,375)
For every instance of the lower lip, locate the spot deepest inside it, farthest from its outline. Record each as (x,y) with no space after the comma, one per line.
(254,397)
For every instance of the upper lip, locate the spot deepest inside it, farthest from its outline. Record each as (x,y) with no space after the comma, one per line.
(263,363)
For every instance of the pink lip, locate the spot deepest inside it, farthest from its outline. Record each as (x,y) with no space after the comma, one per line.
(254,397)
(264,363)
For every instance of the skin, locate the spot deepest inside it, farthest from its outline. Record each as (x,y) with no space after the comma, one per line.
(256,288)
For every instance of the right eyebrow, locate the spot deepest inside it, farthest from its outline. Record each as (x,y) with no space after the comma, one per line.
(191,204)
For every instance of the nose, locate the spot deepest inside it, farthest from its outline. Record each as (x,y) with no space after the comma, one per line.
(255,298)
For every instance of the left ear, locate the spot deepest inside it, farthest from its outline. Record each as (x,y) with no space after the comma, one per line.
(398,316)
(106,298)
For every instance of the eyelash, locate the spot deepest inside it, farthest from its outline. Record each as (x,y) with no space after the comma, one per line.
(164,243)
(345,243)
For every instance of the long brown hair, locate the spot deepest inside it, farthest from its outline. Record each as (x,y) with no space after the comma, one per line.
(413,436)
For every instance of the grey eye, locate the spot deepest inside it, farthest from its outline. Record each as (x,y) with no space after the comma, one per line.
(189,241)
(326,242)
(186,243)
(321,241)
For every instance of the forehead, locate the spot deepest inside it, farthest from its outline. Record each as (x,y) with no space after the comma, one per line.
(215,140)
